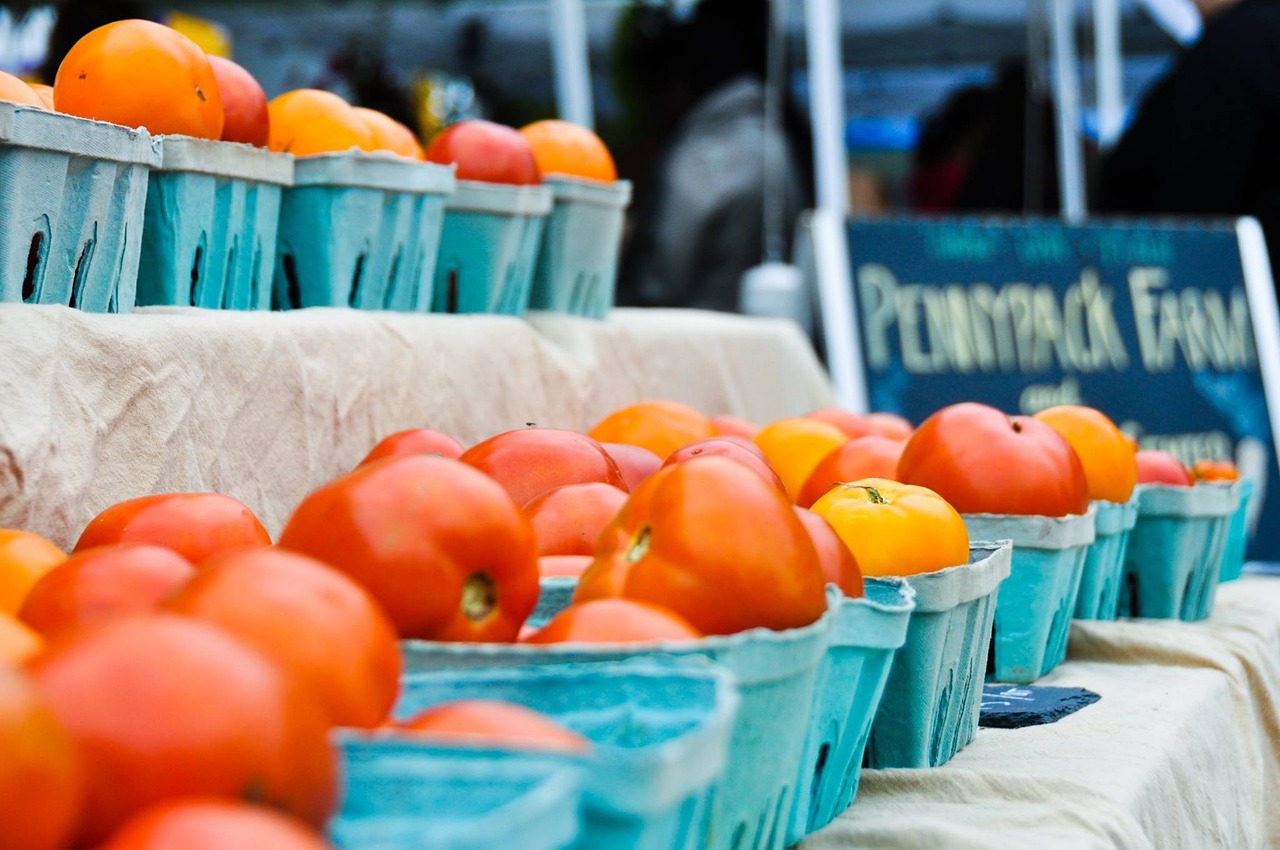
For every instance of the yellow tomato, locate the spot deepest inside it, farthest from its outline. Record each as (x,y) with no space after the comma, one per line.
(895,529)
(1108,458)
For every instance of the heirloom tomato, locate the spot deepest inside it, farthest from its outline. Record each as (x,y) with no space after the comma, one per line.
(24,558)
(839,567)
(1110,469)
(195,525)
(567,520)
(530,461)
(614,621)
(871,456)
(983,461)
(441,545)
(857,425)
(40,769)
(1214,469)
(493,723)
(636,463)
(414,441)
(795,446)
(895,529)
(659,426)
(713,542)
(1160,467)
(211,824)
(735,448)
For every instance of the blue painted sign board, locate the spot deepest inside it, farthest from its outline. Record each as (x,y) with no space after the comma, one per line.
(1168,327)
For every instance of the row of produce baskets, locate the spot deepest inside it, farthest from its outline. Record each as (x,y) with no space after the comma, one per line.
(106,218)
(756,739)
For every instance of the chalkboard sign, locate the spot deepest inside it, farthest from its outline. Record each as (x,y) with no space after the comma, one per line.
(1169,327)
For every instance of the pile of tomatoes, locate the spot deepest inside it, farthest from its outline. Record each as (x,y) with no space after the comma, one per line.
(179,669)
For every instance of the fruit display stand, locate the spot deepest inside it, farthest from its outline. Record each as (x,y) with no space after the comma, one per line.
(1099,596)
(213,210)
(74,192)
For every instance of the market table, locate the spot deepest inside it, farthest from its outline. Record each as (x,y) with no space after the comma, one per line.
(266,406)
(1182,750)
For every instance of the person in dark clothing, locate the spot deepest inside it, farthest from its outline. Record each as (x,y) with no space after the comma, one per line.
(1205,139)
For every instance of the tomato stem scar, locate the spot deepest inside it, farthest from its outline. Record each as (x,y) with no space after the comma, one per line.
(639,544)
(874,495)
(479,596)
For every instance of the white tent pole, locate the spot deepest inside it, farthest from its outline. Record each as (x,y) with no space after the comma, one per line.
(830,233)
(571,58)
(1067,93)
(1110,79)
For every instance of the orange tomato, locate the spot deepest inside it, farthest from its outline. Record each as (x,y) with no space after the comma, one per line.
(568,566)
(24,558)
(40,771)
(161,707)
(18,642)
(305,122)
(414,441)
(561,147)
(739,449)
(102,582)
(567,520)
(195,525)
(1214,469)
(872,456)
(728,425)
(1110,468)
(15,90)
(700,533)
(895,529)
(441,545)
(614,621)
(636,463)
(388,134)
(795,446)
(839,567)
(530,461)
(493,723)
(141,74)
(659,426)
(319,626)
(857,425)
(212,824)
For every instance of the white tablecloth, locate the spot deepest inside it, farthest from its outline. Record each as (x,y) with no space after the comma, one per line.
(1182,750)
(266,406)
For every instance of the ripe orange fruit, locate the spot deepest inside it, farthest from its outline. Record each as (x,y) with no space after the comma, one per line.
(103,582)
(728,425)
(561,147)
(567,520)
(871,456)
(1110,465)
(24,558)
(1215,469)
(659,426)
(195,525)
(141,74)
(44,93)
(388,134)
(161,706)
(16,90)
(18,642)
(414,441)
(861,424)
(40,773)
(795,446)
(311,121)
(207,823)
(318,625)
(493,723)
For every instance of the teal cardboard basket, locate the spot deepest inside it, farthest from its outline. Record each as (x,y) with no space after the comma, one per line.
(360,230)
(1035,604)
(777,675)
(209,239)
(1099,596)
(577,268)
(399,794)
(1176,549)
(865,634)
(659,731)
(929,710)
(1237,534)
(555,593)
(489,248)
(74,193)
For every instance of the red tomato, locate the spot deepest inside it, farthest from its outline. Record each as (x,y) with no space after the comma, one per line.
(244,104)
(737,449)
(872,456)
(103,582)
(728,425)
(213,824)
(614,621)
(1214,469)
(566,566)
(494,723)
(485,151)
(441,546)
(414,441)
(839,567)
(1160,467)
(195,525)
(711,541)
(530,461)
(857,425)
(982,461)
(567,520)
(636,463)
